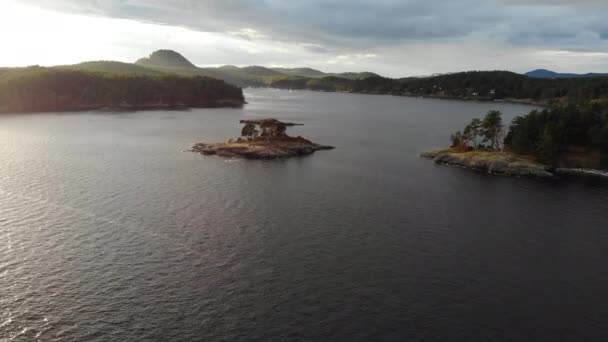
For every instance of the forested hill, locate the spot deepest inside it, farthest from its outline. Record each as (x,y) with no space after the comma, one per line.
(508,85)
(169,61)
(39,89)
(544,73)
(474,85)
(113,67)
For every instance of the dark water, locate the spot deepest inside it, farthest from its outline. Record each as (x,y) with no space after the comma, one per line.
(109,232)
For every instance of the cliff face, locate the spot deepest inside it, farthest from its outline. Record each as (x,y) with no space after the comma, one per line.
(38,89)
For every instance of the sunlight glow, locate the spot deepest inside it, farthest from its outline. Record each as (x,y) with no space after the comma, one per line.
(37,36)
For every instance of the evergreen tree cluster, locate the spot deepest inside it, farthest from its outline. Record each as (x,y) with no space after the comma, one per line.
(483,133)
(549,133)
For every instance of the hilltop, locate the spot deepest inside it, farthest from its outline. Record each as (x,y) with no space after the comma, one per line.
(544,73)
(113,67)
(172,62)
(306,72)
(313,73)
(165,59)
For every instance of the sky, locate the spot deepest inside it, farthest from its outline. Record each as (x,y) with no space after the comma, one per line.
(394,38)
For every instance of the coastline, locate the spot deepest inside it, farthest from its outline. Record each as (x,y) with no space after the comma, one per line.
(228,103)
(505,164)
(581,171)
(273,149)
(42,89)
(491,162)
(528,102)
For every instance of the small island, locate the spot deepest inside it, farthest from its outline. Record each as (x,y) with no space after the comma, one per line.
(262,139)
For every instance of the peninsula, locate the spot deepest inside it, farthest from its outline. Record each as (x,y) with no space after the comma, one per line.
(262,139)
(560,140)
(492,162)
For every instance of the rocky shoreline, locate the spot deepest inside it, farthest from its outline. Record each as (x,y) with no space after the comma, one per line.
(224,103)
(580,171)
(500,163)
(292,147)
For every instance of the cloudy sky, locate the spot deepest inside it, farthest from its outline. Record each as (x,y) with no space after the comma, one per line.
(390,37)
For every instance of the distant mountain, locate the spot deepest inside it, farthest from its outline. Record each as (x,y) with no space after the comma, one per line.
(544,73)
(306,72)
(166,59)
(259,71)
(164,62)
(355,75)
(228,67)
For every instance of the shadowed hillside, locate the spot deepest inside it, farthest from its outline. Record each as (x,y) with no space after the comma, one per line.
(306,72)
(113,68)
(38,89)
(543,73)
(168,61)
(163,62)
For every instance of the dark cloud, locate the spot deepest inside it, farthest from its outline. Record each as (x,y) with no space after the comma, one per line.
(360,24)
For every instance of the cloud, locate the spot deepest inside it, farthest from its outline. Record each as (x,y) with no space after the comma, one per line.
(399,37)
(351,59)
(368,23)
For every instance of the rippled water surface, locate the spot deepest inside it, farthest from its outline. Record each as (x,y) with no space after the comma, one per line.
(109,231)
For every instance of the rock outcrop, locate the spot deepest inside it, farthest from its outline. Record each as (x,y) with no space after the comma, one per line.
(274,149)
(501,163)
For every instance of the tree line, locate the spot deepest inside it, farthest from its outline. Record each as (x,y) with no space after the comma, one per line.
(561,135)
(481,85)
(552,133)
(486,133)
(53,89)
